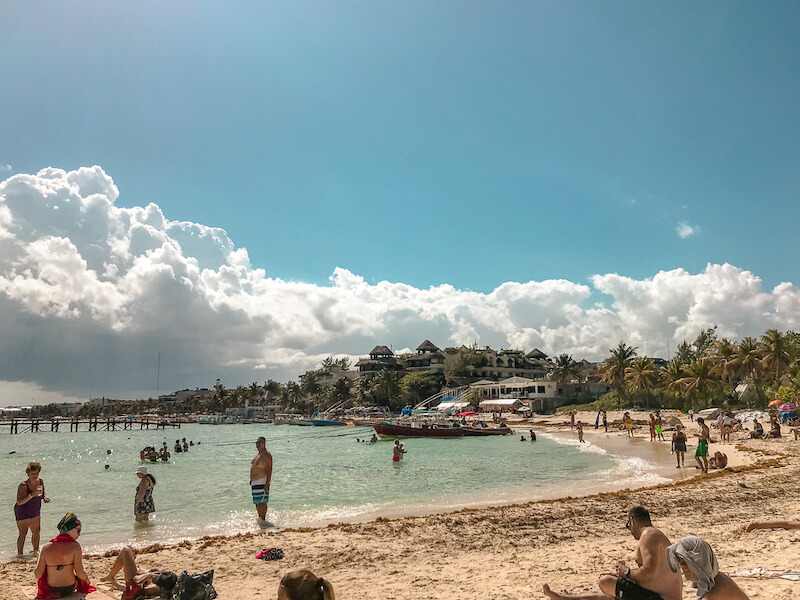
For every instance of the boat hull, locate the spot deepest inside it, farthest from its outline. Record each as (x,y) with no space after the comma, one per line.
(469,431)
(327,423)
(389,430)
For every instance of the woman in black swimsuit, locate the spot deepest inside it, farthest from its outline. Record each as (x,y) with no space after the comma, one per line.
(679,445)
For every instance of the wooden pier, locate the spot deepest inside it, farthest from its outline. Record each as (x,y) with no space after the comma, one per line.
(107,424)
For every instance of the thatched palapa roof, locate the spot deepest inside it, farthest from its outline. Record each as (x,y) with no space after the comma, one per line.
(381,351)
(427,346)
(536,353)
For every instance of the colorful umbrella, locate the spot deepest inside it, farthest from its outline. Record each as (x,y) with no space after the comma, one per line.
(776,402)
(786,407)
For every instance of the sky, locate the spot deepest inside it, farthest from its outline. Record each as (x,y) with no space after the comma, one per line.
(247,188)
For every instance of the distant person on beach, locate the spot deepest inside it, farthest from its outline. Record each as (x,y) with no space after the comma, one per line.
(727,428)
(178,447)
(164,453)
(679,445)
(28,507)
(660,427)
(628,422)
(605,421)
(775,430)
(532,435)
(302,584)
(758,430)
(260,479)
(143,503)
(695,559)
(185,445)
(773,525)
(59,570)
(719,460)
(373,439)
(651,580)
(579,427)
(398,450)
(701,454)
(572,421)
(138,583)
(691,415)
(652,425)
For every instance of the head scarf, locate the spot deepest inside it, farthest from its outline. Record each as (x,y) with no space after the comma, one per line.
(699,557)
(68,523)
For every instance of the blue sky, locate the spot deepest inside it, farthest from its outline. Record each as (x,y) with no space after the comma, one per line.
(421,144)
(427,142)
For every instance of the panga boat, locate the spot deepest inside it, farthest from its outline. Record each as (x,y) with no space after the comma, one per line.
(468,431)
(390,430)
(327,423)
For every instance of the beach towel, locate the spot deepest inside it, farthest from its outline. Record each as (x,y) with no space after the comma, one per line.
(270,554)
(759,573)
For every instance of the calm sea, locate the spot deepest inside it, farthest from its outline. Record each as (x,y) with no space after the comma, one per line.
(321,475)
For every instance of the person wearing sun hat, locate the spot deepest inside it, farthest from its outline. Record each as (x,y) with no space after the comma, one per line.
(59,570)
(143,503)
(694,558)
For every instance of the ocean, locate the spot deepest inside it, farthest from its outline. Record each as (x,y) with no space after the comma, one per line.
(321,475)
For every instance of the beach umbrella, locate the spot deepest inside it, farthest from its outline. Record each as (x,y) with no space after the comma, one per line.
(776,402)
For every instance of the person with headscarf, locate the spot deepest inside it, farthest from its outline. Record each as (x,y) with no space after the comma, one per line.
(695,559)
(59,570)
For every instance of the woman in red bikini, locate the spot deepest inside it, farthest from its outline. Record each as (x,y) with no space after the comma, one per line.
(59,570)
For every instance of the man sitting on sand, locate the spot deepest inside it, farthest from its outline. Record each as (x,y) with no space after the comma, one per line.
(652,580)
(719,460)
(695,559)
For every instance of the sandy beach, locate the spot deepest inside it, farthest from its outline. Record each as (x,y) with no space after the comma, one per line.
(509,552)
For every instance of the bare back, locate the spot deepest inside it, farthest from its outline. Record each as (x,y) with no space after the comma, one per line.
(62,563)
(725,589)
(654,573)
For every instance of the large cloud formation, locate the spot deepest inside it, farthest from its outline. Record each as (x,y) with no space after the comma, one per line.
(90,293)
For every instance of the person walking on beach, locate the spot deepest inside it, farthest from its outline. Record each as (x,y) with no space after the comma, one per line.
(28,507)
(651,423)
(605,421)
(572,421)
(701,454)
(694,558)
(579,427)
(260,479)
(659,428)
(651,580)
(143,503)
(691,415)
(679,445)
(626,419)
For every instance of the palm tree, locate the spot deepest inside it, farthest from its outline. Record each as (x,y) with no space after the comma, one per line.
(723,353)
(776,353)
(641,375)
(294,394)
(685,353)
(749,354)
(309,384)
(613,368)
(672,374)
(565,369)
(699,379)
(385,384)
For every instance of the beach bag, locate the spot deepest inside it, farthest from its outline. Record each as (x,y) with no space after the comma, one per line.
(195,587)
(166,582)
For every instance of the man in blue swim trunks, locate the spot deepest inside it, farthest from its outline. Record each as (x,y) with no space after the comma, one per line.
(260,478)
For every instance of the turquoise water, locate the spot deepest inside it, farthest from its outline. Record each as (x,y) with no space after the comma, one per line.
(321,475)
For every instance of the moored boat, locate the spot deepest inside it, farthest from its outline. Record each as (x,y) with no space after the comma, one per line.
(480,431)
(327,423)
(391,430)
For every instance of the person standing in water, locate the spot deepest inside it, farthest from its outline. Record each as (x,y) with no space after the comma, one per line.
(397,451)
(143,503)
(28,507)
(260,478)
(579,427)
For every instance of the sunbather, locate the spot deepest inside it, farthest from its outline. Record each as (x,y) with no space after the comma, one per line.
(59,570)
(138,583)
(773,525)
(695,559)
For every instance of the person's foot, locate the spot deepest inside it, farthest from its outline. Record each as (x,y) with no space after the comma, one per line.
(550,593)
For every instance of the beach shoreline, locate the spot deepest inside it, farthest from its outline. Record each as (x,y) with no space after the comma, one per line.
(505,551)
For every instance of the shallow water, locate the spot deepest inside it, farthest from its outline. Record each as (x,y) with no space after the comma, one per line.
(321,475)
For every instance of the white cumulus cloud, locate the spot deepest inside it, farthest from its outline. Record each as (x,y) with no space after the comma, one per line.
(90,293)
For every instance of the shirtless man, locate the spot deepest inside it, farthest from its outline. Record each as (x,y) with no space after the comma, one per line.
(701,454)
(651,580)
(260,478)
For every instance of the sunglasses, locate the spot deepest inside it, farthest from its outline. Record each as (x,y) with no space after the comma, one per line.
(628,525)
